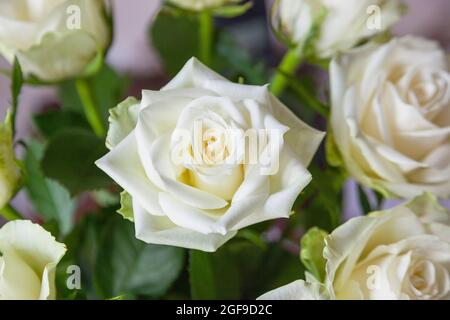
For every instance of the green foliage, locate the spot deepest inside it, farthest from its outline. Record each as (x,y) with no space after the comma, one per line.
(232,11)
(311,253)
(182,29)
(53,122)
(213,275)
(16,83)
(321,202)
(267,270)
(234,62)
(126,209)
(129,267)
(69,158)
(241,270)
(175,37)
(49,198)
(306,94)
(16,88)
(82,250)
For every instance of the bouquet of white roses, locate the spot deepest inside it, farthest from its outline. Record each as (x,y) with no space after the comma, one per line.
(229,179)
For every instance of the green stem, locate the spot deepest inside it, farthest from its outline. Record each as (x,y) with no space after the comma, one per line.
(9,213)
(288,65)
(309,99)
(206,37)
(90,108)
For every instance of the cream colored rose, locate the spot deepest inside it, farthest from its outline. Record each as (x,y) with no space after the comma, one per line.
(53,39)
(9,171)
(29,255)
(341,24)
(391,116)
(180,153)
(402,253)
(198,5)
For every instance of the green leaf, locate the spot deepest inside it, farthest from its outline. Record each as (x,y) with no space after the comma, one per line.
(83,247)
(50,199)
(126,209)
(69,159)
(311,252)
(253,237)
(52,122)
(232,11)
(129,267)
(17,82)
(214,275)
(175,37)
(261,270)
(234,62)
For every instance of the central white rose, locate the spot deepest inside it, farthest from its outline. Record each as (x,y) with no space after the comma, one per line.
(204,157)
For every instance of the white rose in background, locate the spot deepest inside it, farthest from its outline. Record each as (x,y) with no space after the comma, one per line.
(181,201)
(29,255)
(198,5)
(340,24)
(9,171)
(391,116)
(53,39)
(401,253)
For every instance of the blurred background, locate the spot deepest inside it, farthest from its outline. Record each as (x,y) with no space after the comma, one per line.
(132,54)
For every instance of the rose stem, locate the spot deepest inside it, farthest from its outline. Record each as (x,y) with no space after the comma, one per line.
(206,37)
(90,108)
(288,65)
(309,99)
(9,213)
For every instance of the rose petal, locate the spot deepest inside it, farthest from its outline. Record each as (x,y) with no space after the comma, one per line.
(29,249)
(124,166)
(297,290)
(160,230)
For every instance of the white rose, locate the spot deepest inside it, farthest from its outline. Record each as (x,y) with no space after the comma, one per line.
(53,39)
(342,24)
(402,253)
(391,116)
(9,171)
(297,290)
(198,5)
(197,192)
(29,255)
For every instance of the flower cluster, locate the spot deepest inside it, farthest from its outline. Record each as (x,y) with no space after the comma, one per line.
(229,169)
